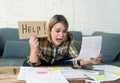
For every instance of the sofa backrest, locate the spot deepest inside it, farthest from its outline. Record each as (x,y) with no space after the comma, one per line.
(110,48)
(11,45)
(8,34)
(77,35)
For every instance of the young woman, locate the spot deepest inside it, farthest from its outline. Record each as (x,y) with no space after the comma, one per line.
(56,49)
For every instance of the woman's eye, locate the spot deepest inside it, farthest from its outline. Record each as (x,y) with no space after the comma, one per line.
(65,31)
(57,31)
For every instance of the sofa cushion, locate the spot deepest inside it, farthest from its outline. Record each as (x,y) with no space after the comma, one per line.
(16,49)
(110,46)
(78,45)
(11,61)
(8,34)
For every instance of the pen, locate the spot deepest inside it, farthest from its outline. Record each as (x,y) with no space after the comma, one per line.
(14,70)
(89,78)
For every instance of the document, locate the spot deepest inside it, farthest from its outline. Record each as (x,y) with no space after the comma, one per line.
(111,73)
(22,73)
(91,47)
(108,68)
(41,75)
(59,74)
(105,77)
(69,72)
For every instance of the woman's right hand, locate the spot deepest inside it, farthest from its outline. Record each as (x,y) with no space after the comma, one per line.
(34,43)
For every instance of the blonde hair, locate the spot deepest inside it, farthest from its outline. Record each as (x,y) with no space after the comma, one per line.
(56,19)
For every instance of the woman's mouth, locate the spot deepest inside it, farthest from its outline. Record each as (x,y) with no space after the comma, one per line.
(59,40)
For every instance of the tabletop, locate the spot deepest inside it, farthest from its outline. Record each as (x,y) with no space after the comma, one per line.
(9,75)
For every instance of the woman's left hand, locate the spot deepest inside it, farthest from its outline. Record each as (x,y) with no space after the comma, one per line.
(96,60)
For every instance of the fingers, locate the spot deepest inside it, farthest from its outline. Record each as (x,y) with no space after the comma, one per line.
(92,60)
(34,41)
(96,60)
(99,57)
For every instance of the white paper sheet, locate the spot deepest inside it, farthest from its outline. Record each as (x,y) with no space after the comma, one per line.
(59,74)
(106,67)
(90,48)
(43,76)
(108,74)
(69,72)
(102,78)
(22,73)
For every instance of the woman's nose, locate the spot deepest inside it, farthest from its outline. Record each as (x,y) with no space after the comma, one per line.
(61,33)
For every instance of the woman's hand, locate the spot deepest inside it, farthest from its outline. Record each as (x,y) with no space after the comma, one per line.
(96,60)
(92,60)
(34,43)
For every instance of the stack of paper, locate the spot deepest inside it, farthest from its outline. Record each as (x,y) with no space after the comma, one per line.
(41,75)
(111,73)
(45,77)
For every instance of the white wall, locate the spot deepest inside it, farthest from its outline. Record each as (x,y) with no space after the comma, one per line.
(38,10)
(99,15)
(83,15)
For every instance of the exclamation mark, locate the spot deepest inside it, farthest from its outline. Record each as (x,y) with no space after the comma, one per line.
(44,28)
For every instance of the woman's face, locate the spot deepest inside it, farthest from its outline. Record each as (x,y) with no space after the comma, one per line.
(58,34)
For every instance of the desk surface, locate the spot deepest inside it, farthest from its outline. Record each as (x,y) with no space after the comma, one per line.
(8,75)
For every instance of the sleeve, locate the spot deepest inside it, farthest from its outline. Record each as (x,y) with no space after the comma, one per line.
(73,53)
(37,63)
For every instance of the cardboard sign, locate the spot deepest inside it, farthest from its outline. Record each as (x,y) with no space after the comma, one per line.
(29,28)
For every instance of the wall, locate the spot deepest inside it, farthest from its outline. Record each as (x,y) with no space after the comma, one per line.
(33,10)
(99,15)
(83,15)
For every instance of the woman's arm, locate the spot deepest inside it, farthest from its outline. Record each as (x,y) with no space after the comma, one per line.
(34,43)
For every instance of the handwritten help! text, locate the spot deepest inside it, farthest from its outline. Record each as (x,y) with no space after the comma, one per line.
(29,28)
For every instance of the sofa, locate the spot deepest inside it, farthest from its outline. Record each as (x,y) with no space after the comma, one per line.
(110,48)
(14,51)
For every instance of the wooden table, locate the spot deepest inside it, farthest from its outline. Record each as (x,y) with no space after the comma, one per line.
(7,75)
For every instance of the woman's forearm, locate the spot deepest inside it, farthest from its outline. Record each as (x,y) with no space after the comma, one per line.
(33,57)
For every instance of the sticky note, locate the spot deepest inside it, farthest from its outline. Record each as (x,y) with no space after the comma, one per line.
(100,77)
(116,72)
(55,68)
(42,72)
